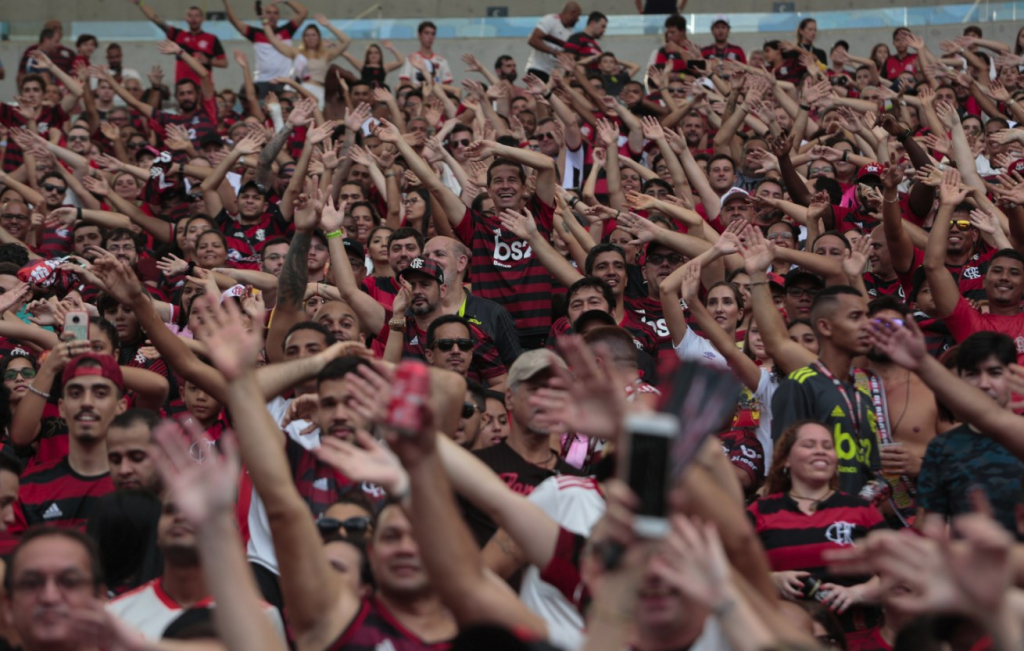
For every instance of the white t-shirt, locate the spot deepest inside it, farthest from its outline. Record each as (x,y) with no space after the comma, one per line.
(436,63)
(151,610)
(550,25)
(694,347)
(575,503)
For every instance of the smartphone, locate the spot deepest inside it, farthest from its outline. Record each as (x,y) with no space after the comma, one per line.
(647,469)
(697,64)
(76,325)
(259,8)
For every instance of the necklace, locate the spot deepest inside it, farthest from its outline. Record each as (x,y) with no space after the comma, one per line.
(814,501)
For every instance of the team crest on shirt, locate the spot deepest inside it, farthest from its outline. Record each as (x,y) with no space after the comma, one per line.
(43,127)
(840,533)
(971,273)
(1019,342)
(260,235)
(201,44)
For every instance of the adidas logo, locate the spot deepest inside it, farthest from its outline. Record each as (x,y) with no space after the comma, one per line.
(802,374)
(53,512)
(837,412)
(320,484)
(415,341)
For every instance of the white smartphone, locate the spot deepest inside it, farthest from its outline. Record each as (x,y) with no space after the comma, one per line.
(76,325)
(647,469)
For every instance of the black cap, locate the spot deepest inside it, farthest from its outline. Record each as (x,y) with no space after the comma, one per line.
(600,317)
(211,138)
(353,246)
(797,275)
(251,184)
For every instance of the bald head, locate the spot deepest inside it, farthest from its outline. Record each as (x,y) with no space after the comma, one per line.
(570,13)
(451,254)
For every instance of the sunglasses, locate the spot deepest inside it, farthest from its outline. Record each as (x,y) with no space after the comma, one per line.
(14,218)
(49,187)
(28,373)
(658,258)
(800,292)
(355,524)
(136,145)
(78,138)
(544,136)
(447,344)
(468,409)
(460,143)
(960,224)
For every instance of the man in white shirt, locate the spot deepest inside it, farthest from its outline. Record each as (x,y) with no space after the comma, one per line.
(548,38)
(435,64)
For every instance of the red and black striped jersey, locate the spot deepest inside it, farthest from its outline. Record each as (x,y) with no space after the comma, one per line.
(270,224)
(49,116)
(201,122)
(62,57)
(374,628)
(383,290)
(505,270)
(878,287)
(54,494)
(794,540)
(321,485)
(201,43)
(643,334)
(730,52)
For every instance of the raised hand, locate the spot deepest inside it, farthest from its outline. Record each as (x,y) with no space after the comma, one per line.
(652,128)
(118,278)
(951,192)
(305,216)
(522,225)
(317,134)
(386,131)
(302,112)
(201,491)
(607,133)
(169,47)
(251,143)
(240,59)
(758,253)
(171,265)
(693,561)
(901,340)
(855,259)
(234,349)
(365,461)
(690,281)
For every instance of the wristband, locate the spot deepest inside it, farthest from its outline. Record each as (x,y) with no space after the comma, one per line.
(903,136)
(334,234)
(388,175)
(896,200)
(398,325)
(41,394)
(805,107)
(78,214)
(191,268)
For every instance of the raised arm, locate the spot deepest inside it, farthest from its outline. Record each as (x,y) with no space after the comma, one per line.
(284,48)
(371,313)
(944,288)
(74,88)
(758,254)
(523,225)
(129,99)
(205,80)
(315,593)
(150,13)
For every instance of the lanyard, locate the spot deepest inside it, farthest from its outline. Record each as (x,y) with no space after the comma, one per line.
(854,414)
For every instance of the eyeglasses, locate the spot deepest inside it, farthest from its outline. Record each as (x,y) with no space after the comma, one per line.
(447,344)
(460,143)
(800,292)
(124,248)
(13,217)
(12,373)
(658,258)
(820,170)
(676,90)
(49,187)
(68,582)
(544,136)
(960,224)
(468,409)
(273,257)
(355,524)
(78,138)
(136,145)
(780,236)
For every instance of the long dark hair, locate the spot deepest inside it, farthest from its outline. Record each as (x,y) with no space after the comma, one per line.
(779,480)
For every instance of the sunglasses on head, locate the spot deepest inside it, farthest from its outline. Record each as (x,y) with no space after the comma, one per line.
(447,344)
(49,187)
(960,224)
(28,373)
(468,409)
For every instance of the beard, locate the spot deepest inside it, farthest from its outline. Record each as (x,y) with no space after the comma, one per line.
(187,106)
(423,308)
(509,76)
(878,356)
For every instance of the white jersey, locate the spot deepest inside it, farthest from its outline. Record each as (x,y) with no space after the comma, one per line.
(151,610)
(259,546)
(576,503)
(550,25)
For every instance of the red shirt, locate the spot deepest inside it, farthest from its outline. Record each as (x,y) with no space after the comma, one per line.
(201,43)
(895,66)
(965,321)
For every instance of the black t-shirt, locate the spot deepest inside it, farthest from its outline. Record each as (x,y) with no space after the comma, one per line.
(520,475)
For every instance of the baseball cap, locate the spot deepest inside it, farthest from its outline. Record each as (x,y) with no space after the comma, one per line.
(251,184)
(797,275)
(721,19)
(423,266)
(734,194)
(211,139)
(776,279)
(599,317)
(354,247)
(93,364)
(148,149)
(871,169)
(531,363)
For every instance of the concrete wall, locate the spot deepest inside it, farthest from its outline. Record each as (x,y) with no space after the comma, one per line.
(42,10)
(142,56)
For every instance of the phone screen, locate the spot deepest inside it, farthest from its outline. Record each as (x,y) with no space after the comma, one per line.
(648,472)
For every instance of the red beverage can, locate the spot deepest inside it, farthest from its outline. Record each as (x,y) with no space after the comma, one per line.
(409,397)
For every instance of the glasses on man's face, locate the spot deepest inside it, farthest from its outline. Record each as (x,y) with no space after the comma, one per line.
(820,170)
(273,257)
(136,145)
(12,374)
(446,345)
(59,189)
(960,224)
(14,217)
(460,143)
(67,582)
(468,409)
(121,248)
(658,258)
(780,236)
(677,90)
(78,138)
(355,524)
(801,292)
(544,136)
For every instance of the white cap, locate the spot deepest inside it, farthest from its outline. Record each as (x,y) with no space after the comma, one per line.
(721,18)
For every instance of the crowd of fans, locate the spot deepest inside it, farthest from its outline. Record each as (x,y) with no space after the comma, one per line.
(205,294)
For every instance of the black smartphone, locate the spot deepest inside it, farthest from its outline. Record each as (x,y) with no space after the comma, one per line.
(648,469)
